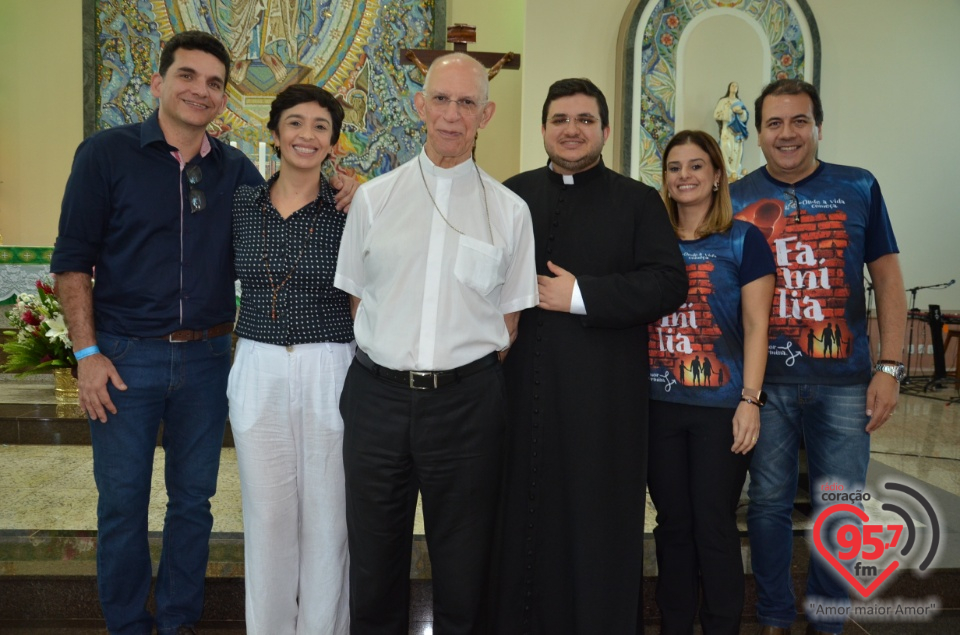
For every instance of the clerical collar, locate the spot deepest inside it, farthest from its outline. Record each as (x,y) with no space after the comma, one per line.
(580,178)
(567,178)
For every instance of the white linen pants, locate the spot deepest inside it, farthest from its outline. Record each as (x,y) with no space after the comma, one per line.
(289,437)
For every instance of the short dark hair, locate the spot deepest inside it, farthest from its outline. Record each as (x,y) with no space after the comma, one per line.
(789,87)
(300,94)
(577,86)
(195,41)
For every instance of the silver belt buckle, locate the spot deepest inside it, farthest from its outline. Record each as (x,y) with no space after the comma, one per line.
(418,373)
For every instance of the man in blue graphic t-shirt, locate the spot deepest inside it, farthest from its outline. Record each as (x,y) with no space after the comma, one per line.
(824,222)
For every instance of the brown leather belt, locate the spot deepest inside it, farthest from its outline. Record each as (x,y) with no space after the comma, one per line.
(187,335)
(426,379)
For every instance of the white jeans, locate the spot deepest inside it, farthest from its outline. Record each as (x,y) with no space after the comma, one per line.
(284,411)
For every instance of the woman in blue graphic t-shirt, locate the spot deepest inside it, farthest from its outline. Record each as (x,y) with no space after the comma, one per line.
(702,430)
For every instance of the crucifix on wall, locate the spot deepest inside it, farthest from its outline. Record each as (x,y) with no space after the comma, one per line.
(460,35)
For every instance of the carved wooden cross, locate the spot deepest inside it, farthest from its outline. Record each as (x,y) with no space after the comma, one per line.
(459,35)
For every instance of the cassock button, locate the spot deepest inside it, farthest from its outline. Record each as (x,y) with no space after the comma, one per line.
(551,236)
(536,411)
(549,250)
(536,382)
(556,223)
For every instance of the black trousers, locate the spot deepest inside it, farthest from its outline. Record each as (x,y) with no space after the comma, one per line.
(448,444)
(695,483)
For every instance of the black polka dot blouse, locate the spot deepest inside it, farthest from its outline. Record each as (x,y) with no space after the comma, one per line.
(286,269)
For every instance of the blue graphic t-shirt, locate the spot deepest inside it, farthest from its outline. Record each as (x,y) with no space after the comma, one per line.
(696,354)
(821,230)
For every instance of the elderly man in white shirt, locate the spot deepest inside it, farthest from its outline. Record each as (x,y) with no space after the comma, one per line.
(439,259)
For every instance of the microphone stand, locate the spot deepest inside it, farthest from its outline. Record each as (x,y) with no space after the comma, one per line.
(912,315)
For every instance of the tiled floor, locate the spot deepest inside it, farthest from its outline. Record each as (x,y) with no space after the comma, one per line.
(48,490)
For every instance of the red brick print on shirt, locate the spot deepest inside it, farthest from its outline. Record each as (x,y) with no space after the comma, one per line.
(685,339)
(811,294)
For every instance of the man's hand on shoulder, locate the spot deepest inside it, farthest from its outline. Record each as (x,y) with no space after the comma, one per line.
(556,291)
(93,373)
(346,187)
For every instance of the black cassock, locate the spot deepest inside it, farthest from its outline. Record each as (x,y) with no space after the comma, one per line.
(571,558)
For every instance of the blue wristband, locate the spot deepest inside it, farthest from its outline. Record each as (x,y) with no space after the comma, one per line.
(86,352)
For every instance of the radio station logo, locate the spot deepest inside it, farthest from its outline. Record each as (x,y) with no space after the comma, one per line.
(866,554)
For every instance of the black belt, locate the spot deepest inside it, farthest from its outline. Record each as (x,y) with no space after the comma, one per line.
(426,379)
(188,335)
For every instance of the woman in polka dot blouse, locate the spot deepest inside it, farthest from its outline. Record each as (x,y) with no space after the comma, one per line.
(296,343)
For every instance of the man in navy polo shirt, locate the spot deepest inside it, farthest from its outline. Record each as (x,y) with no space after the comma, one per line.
(148,205)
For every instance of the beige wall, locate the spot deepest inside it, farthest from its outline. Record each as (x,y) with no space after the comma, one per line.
(41,114)
(890,88)
(566,38)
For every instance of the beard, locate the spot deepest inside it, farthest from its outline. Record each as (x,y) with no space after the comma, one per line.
(576,165)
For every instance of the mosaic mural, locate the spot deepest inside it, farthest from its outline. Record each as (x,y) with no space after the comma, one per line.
(658,64)
(349,47)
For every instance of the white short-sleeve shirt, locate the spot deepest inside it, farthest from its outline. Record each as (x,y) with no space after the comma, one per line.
(431,298)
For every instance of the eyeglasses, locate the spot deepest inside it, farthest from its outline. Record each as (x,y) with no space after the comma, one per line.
(792,193)
(582,121)
(198,200)
(466,106)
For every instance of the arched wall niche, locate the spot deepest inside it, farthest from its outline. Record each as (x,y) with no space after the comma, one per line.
(660,42)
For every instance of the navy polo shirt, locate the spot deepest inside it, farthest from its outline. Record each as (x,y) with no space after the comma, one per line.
(159,267)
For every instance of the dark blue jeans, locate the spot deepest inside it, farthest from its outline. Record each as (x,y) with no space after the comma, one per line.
(183,384)
(832,421)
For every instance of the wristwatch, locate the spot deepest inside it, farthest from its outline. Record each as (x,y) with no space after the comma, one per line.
(892,368)
(759,401)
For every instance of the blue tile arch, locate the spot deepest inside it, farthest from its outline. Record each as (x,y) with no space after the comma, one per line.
(790,53)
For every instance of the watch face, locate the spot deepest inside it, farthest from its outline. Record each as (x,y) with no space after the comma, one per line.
(897,371)
(762,399)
